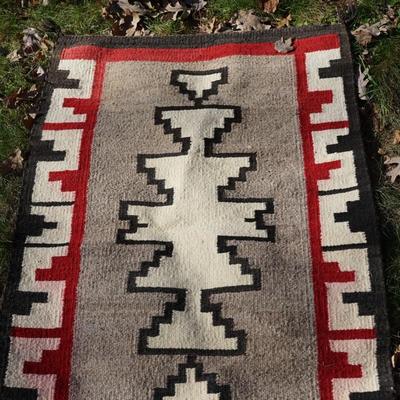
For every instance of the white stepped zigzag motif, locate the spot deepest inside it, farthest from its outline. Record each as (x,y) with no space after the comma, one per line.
(192,383)
(194,224)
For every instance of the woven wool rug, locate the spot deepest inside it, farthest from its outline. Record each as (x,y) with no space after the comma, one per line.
(197,224)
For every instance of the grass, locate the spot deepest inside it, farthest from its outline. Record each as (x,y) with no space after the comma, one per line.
(370,10)
(385,76)
(162,27)
(225,9)
(84,17)
(307,12)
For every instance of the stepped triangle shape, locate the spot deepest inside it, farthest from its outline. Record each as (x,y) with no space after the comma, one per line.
(199,85)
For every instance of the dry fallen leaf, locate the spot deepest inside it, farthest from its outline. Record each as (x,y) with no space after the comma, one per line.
(362,83)
(120,9)
(28,120)
(396,358)
(270,6)
(46,44)
(197,5)
(143,32)
(175,9)
(366,32)
(246,20)
(210,25)
(13,164)
(14,56)
(396,136)
(15,98)
(391,13)
(134,23)
(284,45)
(393,171)
(39,72)
(31,41)
(20,95)
(284,22)
(129,9)
(126,17)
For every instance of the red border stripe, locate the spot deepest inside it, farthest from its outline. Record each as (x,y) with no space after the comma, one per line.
(67,268)
(192,54)
(331,365)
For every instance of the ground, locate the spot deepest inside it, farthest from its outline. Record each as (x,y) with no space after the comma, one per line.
(380,110)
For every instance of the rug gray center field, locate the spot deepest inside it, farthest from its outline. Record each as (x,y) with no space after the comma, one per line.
(197,223)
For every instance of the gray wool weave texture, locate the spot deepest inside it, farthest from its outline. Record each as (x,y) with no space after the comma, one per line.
(197,223)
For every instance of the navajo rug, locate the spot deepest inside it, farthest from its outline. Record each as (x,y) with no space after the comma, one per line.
(197,223)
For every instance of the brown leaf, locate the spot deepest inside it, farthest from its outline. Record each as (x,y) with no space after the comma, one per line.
(284,22)
(270,6)
(175,9)
(365,33)
(396,358)
(396,136)
(129,9)
(393,171)
(246,20)
(198,5)
(14,98)
(39,73)
(143,32)
(362,83)
(13,164)
(14,56)
(117,9)
(134,23)
(31,41)
(20,96)
(284,46)
(126,26)
(391,13)
(29,120)
(207,25)
(46,44)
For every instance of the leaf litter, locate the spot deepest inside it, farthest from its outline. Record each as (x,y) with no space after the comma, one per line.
(393,168)
(284,45)
(130,19)
(366,32)
(13,164)
(396,136)
(362,83)
(247,20)
(270,6)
